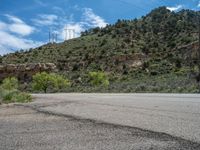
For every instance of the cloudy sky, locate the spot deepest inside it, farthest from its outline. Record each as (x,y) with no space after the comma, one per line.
(26,23)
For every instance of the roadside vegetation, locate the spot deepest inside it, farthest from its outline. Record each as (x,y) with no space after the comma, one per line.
(9,92)
(49,81)
(98,79)
(42,82)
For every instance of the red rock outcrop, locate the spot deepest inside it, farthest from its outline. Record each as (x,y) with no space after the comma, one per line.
(24,72)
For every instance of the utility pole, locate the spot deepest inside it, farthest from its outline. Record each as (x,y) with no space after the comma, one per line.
(49,35)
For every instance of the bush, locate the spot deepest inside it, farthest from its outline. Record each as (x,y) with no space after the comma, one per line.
(14,96)
(43,81)
(98,78)
(10,94)
(61,82)
(22,98)
(10,83)
(7,96)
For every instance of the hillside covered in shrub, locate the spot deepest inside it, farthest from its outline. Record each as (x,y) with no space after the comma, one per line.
(155,53)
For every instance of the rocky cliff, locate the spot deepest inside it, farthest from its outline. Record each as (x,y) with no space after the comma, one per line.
(24,72)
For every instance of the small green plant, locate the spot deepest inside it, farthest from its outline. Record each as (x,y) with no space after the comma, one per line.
(10,83)
(98,78)
(43,81)
(22,97)
(61,82)
(10,94)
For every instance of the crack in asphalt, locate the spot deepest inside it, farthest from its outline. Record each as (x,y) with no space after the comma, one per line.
(64,103)
(150,134)
(103,104)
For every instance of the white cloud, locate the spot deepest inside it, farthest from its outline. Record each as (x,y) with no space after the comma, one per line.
(12,35)
(58,24)
(3,25)
(13,32)
(12,41)
(18,26)
(176,8)
(21,29)
(93,19)
(77,27)
(198,4)
(9,42)
(88,20)
(14,19)
(45,19)
(3,51)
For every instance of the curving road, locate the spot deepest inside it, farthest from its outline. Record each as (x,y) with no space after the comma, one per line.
(103,121)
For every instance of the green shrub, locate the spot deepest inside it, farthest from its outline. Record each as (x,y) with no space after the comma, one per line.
(10,94)
(15,96)
(61,82)
(98,78)
(7,96)
(22,98)
(43,81)
(10,83)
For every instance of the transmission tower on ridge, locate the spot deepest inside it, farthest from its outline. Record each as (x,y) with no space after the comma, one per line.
(53,36)
(69,33)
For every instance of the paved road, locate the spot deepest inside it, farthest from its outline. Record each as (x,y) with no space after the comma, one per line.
(102,121)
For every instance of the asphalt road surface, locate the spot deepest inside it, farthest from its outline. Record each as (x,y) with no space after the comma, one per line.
(102,122)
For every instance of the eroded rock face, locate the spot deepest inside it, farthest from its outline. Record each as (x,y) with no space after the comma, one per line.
(24,72)
(132,61)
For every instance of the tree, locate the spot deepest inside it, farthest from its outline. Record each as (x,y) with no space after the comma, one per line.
(43,81)
(10,83)
(98,78)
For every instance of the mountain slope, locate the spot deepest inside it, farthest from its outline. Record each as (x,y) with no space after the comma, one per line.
(130,51)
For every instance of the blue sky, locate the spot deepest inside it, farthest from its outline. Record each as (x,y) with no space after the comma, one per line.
(26,23)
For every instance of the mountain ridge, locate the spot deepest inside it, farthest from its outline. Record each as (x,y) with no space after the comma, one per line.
(149,47)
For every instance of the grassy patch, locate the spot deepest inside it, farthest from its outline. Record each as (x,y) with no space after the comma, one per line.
(14,96)
(10,94)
